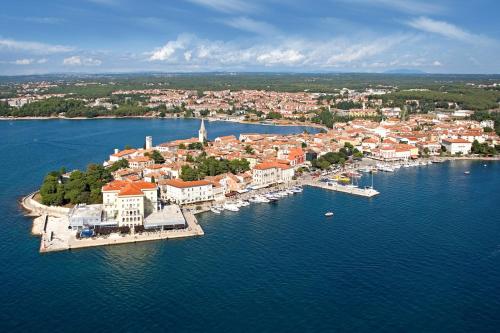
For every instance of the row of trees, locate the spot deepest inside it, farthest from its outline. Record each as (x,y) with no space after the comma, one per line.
(71,108)
(81,187)
(467,98)
(483,149)
(209,166)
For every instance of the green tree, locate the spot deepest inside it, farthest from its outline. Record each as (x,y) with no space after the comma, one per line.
(156,156)
(249,150)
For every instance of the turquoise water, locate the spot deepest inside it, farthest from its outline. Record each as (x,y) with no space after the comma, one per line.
(424,256)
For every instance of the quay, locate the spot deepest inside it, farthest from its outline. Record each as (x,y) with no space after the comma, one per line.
(56,236)
(364,192)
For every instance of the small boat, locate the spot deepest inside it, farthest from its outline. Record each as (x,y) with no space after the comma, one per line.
(296,189)
(329,214)
(231,207)
(254,199)
(214,210)
(467,172)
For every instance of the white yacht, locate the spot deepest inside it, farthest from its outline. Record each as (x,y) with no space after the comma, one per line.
(215,210)
(231,207)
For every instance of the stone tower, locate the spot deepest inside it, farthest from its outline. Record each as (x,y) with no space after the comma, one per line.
(202,133)
(149,142)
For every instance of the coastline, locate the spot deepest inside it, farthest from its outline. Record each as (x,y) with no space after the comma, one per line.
(210,119)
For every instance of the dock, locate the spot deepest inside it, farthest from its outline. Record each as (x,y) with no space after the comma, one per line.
(57,237)
(363,192)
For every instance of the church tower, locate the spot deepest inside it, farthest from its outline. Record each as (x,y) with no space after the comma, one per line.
(202,133)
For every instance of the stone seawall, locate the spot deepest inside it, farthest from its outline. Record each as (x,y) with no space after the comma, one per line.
(37,209)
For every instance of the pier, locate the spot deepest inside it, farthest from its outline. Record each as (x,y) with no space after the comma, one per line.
(364,192)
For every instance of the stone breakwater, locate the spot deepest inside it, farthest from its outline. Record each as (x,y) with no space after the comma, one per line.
(37,209)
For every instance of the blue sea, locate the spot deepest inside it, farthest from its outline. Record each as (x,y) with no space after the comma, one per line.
(423,256)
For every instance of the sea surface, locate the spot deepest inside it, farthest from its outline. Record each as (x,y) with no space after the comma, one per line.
(423,256)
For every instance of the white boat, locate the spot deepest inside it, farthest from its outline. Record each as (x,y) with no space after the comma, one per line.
(254,199)
(214,210)
(366,169)
(231,207)
(467,172)
(329,214)
(262,198)
(244,203)
(297,190)
(272,197)
(386,168)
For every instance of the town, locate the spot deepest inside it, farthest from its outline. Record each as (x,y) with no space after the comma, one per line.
(153,192)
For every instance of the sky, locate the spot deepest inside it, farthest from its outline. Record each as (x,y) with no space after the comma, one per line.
(119,36)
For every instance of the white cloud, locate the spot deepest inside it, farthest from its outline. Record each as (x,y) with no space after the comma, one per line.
(23,61)
(188,50)
(33,47)
(81,61)
(250,25)
(286,57)
(227,6)
(406,6)
(444,29)
(361,51)
(41,61)
(44,20)
(437,63)
(168,50)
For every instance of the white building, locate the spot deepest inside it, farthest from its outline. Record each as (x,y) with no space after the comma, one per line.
(128,203)
(186,192)
(124,154)
(454,146)
(268,173)
(487,123)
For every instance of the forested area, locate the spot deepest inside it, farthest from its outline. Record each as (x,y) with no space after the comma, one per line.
(81,187)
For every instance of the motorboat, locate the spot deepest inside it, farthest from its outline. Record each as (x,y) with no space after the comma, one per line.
(231,207)
(467,172)
(214,210)
(329,214)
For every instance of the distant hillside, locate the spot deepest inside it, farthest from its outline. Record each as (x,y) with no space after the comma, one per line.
(404,71)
